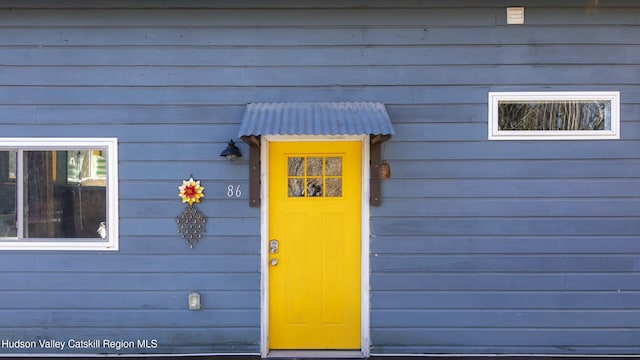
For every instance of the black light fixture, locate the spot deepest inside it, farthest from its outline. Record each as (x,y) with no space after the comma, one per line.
(232,152)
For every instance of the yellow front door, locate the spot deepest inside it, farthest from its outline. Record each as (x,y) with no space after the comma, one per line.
(315,192)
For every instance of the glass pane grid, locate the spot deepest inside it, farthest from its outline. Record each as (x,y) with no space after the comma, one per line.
(314,176)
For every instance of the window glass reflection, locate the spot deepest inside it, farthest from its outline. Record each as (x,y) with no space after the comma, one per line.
(314,166)
(65,193)
(296,166)
(296,187)
(314,187)
(8,194)
(334,187)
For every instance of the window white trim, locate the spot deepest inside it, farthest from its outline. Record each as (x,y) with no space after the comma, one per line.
(496,97)
(111,147)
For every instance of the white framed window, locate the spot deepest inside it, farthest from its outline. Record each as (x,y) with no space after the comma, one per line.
(58,194)
(569,115)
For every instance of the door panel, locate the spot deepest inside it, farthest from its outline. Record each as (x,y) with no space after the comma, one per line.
(315,191)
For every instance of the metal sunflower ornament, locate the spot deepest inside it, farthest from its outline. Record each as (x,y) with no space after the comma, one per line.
(191,191)
(191,222)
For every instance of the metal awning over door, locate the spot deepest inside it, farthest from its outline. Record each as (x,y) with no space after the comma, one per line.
(315,118)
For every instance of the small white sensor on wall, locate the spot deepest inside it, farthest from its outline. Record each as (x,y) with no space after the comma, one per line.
(194,301)
(515,15)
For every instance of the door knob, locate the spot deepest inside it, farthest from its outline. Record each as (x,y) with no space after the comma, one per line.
(274,262)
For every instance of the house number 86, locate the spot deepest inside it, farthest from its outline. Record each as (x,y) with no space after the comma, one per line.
(234,191)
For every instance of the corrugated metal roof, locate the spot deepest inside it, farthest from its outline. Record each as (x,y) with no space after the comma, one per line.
(316,118)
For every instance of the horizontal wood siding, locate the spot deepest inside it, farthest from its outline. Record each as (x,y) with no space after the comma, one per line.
(524,247)
(478,247)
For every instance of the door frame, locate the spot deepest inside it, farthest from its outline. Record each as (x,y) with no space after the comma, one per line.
(264,234)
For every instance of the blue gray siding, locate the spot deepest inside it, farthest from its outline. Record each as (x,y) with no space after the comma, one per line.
(479,247)
(511,247)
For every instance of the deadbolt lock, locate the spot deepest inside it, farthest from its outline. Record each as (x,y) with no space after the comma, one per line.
(273,246)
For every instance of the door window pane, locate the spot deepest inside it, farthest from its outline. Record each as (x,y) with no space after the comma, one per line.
(296,187)
(314,187)
(334,187)
(314,166)
(296,166)
(334,166)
